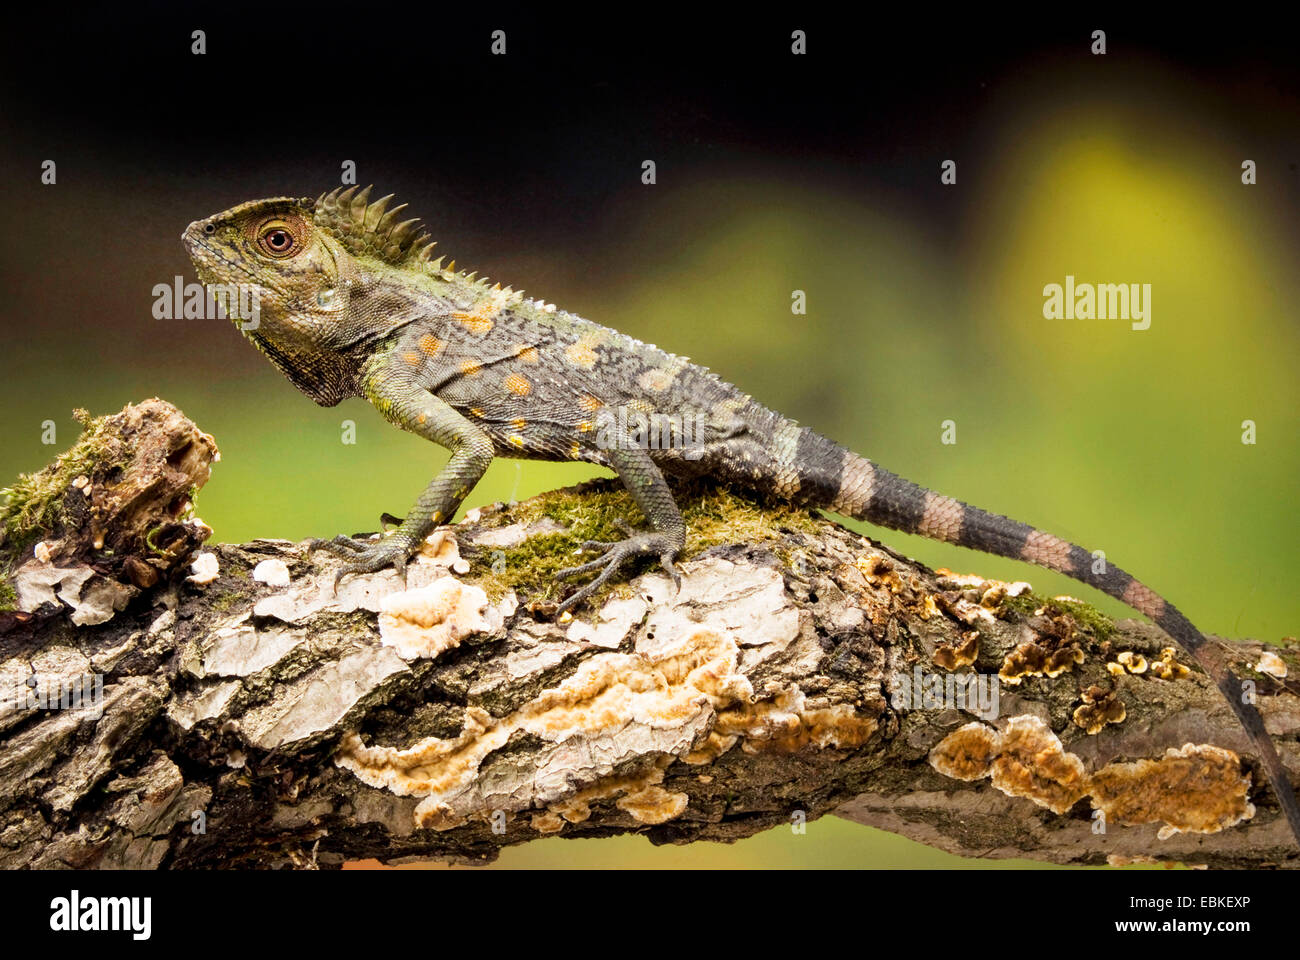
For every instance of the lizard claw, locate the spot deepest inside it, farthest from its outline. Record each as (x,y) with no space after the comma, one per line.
(666,561)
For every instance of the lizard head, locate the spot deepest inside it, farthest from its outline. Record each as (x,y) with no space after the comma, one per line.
(271,251)
(310,282)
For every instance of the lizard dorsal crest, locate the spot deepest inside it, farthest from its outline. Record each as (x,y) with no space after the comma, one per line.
(372,229)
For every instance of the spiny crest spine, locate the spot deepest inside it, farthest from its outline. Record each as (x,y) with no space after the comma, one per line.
(370,229)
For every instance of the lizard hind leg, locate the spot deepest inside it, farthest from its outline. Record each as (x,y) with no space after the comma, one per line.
(667,538)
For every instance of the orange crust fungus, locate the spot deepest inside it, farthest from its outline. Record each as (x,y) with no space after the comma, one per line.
(1099,707)
(1196,788)
(951,657)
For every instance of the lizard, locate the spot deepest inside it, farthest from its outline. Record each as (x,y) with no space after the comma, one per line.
(351,303)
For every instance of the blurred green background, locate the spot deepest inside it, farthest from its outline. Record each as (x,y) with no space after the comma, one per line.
(924,301)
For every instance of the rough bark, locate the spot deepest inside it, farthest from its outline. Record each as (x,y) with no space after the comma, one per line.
(252,716)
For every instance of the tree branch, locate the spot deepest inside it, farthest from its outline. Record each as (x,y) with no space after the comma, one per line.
(251,716)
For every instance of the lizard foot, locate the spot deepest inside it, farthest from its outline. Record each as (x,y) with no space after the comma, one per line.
(662,545)
(366,556)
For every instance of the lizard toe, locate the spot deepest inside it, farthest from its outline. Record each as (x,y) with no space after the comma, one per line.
(340,546)
(596,564)
(610,568)
(615,555)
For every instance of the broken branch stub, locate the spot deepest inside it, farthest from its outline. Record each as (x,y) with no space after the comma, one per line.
(110,517)
(251,715)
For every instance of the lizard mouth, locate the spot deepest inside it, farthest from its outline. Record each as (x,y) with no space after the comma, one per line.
(208,259)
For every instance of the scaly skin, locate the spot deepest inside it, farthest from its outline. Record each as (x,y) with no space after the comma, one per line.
(352,305)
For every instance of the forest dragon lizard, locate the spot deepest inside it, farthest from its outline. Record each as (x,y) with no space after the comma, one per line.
(351,303)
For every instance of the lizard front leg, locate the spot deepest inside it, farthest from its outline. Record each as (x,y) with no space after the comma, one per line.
(410,406)
(665,540)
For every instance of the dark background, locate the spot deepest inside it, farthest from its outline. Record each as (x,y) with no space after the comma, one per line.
(775,173)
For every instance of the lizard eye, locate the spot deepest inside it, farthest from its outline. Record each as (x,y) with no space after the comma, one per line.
(278,239)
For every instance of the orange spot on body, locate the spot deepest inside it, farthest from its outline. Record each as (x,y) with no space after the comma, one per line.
(591,403)
(479,320)
(656,380)
(516,439)
(476,325)
(470,367)
(519,423)
(580,354)
(430,344)
(528,355)
(476,411)
(518,385)
(585,426)
(412,359)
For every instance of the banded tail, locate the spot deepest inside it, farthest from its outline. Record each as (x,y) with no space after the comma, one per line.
(846,483)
